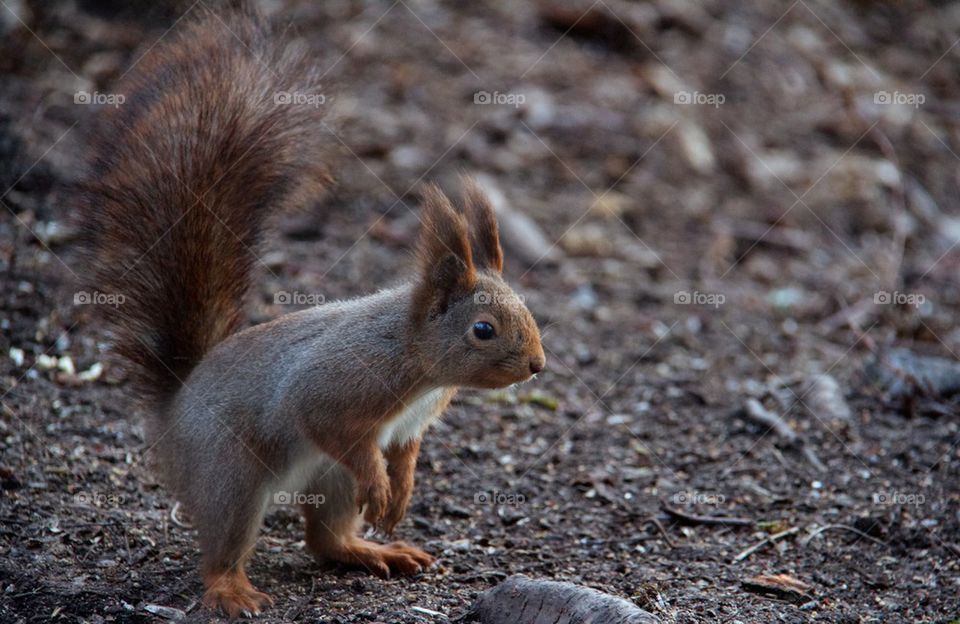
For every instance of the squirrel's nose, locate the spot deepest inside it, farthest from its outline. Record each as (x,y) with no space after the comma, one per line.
(536,364)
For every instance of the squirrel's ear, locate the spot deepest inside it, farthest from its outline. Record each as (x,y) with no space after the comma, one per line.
(484,233)
(443,255)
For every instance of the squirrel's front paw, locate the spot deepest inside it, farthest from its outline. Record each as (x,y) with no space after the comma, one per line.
(395,511)
(376,497)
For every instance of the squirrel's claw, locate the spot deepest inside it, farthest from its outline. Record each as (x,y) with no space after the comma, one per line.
(233,593)
(394,514)
(376,498)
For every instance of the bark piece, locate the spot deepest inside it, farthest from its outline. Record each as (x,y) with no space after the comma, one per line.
(902,373)
(523,600)
(781,586)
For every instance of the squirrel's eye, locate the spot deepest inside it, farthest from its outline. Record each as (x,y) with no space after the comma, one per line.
(483,330)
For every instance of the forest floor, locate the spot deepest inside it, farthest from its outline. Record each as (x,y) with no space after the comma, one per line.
(736,198)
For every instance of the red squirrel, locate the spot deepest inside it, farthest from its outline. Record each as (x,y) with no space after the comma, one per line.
(329,401)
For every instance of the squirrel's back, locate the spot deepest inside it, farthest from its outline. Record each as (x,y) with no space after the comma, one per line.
(221,126)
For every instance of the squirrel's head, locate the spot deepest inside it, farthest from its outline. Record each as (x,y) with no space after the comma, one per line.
(475,330)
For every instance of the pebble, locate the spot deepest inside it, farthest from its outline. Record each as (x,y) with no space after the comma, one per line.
(93,373)
(167,613)
(456,511)
(65,364)
(584,297)
(618,419)
(16,355)
(583,354)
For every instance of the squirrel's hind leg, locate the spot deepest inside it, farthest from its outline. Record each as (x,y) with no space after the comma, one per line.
(227,536)
(333,524)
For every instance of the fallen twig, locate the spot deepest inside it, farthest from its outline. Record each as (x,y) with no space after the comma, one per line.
(656,522)
(844,527)
(676,514)
(755,232)
(849,315)
(756,412)
(767,540)
(430,612)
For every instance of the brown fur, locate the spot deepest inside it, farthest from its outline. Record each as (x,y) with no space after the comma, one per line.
(183,176)
(443,254)
(401,465)
(483,225)
(330,401)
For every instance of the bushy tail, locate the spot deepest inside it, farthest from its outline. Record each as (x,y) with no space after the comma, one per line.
(219,127)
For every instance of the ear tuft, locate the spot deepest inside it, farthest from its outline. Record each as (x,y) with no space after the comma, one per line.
(484,232)
(443,254)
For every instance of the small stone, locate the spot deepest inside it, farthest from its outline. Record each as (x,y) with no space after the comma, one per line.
(16,355)
(93,373)
(167,613)
(65,364)
(584,297)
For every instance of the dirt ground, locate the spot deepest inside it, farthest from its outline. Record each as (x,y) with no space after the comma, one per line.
(734,198)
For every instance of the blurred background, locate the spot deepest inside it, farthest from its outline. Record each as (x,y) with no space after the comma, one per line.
(737,224)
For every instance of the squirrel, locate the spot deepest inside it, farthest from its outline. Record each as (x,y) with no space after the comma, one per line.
(330,401)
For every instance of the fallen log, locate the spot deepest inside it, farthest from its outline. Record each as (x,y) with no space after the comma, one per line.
(523,600)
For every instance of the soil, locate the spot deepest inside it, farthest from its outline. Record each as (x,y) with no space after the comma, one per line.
(731,189)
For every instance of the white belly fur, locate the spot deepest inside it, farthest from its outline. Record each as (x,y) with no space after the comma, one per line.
(311,464)
(411,422)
